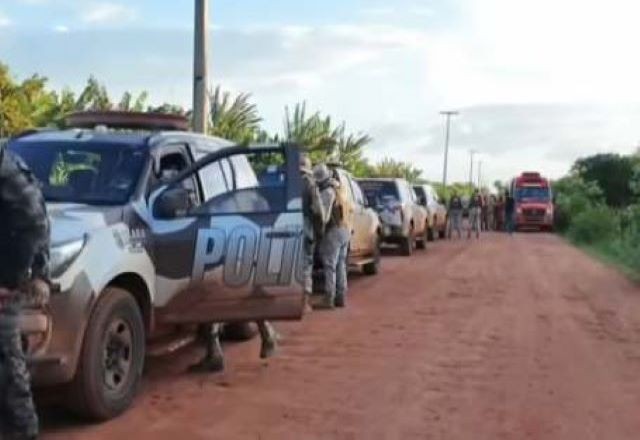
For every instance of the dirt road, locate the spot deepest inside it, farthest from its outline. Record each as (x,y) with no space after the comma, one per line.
(522,338)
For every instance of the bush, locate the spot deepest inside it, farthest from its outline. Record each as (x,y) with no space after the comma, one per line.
(574,196)
(594,224)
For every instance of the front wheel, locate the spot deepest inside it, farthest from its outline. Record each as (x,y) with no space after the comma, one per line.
(112,357)
(407,244)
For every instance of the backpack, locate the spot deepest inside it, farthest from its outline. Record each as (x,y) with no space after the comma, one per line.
(337,215)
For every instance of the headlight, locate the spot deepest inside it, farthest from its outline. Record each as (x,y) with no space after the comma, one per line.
(63,255)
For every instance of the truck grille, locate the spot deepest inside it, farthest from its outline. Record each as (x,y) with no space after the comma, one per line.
(534,215)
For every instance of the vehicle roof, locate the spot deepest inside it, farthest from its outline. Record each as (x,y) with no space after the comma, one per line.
(141,139)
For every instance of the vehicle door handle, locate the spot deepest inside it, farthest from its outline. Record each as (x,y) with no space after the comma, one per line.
(281,234)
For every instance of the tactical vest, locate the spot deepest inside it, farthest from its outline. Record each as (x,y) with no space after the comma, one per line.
(24,226)
(337,216)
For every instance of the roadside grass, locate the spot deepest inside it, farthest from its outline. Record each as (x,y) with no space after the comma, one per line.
(620,254)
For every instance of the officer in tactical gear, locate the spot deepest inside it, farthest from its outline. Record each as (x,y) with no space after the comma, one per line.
(24,250)
(313,224)
(335,242)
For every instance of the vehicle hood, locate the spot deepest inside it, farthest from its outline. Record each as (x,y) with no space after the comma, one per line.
(72,221)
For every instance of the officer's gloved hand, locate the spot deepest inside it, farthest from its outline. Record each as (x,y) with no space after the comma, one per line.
(38,293)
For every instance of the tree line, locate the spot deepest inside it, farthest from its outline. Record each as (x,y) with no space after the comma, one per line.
(30,103)
(598,207)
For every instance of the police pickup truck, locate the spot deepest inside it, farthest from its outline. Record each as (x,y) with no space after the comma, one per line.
(154,228)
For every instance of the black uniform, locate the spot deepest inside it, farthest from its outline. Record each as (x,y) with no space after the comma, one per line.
(24,244)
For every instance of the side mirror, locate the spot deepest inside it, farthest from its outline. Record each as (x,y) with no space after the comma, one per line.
(173,203)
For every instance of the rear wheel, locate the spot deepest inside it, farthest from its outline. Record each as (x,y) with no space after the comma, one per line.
(112,357)
(374,267)
(422,241)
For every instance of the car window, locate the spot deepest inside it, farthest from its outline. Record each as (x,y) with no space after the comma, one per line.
(213,181)
(357,192)
(260,185)
(228,173)
(171,164)
(83,172)
(407,193)
(245,174)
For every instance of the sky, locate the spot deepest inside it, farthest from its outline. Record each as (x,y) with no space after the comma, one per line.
(538,84)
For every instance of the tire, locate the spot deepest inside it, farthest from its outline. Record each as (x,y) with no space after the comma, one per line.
(239,331)
(374,267)
(422,242)
(407,244)
(442,233)
(115,333)
(430,234)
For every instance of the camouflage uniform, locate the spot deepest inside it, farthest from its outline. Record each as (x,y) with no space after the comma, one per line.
(313,216)
(24,244)
(334,246)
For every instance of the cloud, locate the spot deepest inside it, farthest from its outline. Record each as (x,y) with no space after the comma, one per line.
(61,29)
(106,12)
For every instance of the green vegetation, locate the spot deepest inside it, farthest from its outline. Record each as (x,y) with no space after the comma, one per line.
(30,104)
(598,208)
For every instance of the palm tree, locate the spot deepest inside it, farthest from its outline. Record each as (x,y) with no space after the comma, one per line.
(313,133)
(349,151)
(235,119)
(391,168)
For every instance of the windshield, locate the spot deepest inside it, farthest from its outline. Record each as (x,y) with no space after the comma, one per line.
(74,172)
(533,194)
(378,192)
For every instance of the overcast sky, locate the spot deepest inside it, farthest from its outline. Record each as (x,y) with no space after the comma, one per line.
(538,83)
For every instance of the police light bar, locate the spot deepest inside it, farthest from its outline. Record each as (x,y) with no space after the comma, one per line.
(128,120)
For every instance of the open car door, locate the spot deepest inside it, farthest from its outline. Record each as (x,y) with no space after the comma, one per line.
(241,244)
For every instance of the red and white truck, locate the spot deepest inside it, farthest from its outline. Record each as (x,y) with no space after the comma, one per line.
(534,201)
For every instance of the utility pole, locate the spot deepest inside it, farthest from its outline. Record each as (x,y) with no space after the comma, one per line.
(471,153)
(448,114)
(200,55)
(479,174)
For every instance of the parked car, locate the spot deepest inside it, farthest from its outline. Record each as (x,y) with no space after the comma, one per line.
(152,231)
(404,221)
(436,210)
(364,250)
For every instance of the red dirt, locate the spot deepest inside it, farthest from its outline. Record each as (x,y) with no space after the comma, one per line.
(506,338)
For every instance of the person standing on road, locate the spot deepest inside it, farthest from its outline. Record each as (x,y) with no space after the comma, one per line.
(24,262)
(475,212)
(484,226)
(313,224)
(455,215)
(509,212)
(335,242)
(491,213)
(500,213)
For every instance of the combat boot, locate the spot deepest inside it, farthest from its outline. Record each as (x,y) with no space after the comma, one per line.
(213,360)
(269,340)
